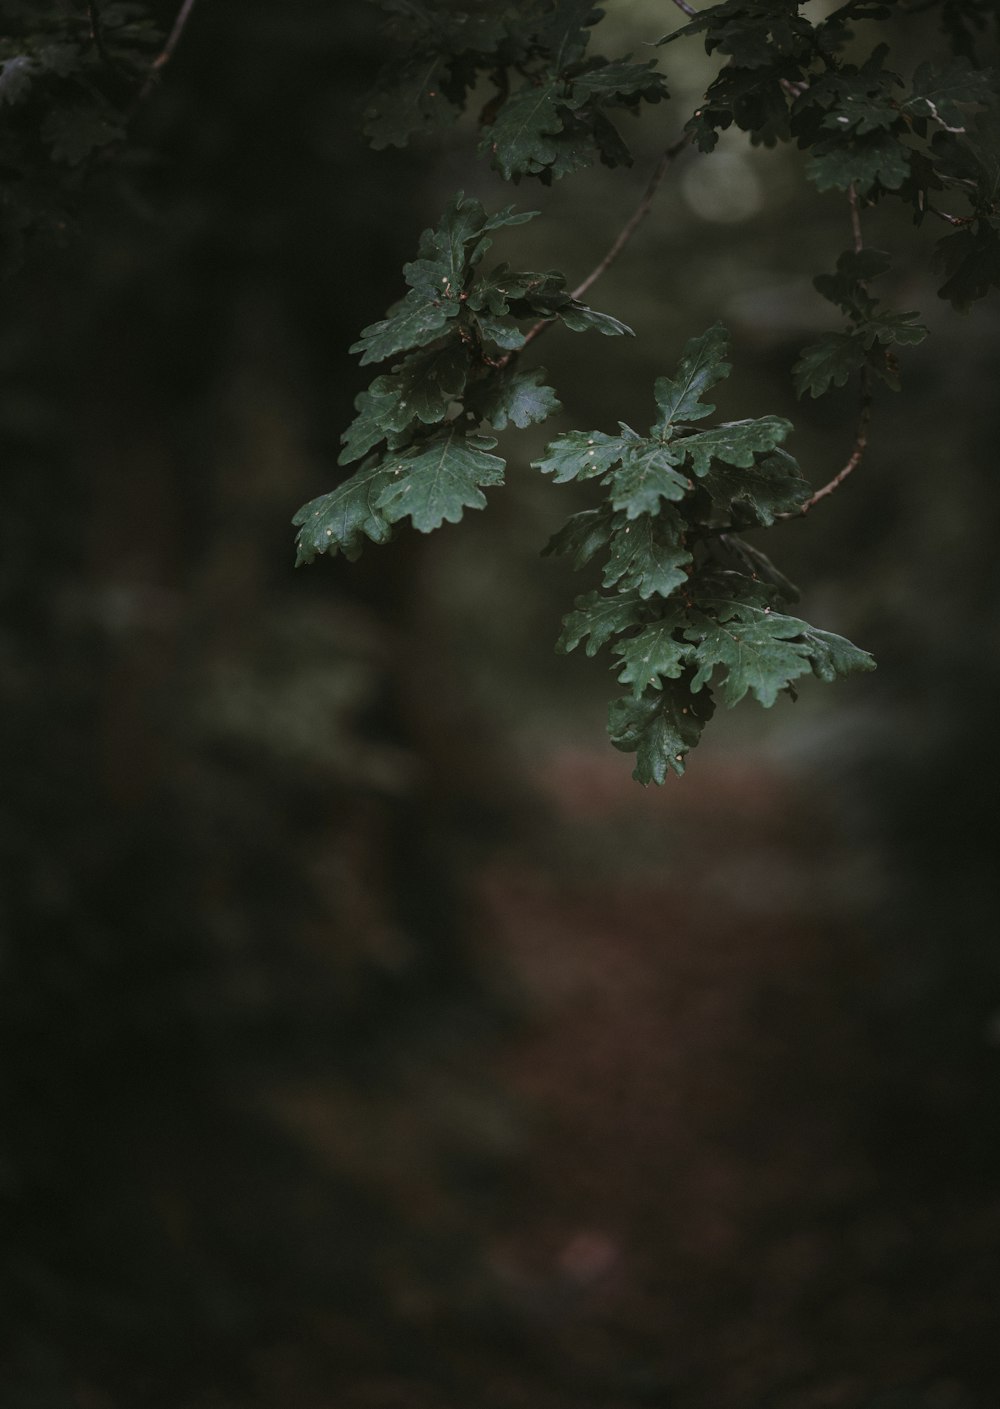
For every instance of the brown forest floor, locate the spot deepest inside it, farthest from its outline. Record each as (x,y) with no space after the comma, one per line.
(716,1195)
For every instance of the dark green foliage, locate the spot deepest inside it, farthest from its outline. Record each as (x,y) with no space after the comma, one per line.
(67,93)
(458,328)
(685,602)
(692,603)
(866,130)
(552,112)
(875,330)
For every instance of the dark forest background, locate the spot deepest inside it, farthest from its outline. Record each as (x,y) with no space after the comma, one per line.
(370,1040)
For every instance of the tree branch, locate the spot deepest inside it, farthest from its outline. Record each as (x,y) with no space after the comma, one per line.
(852,197)
(637,216)
(856,456)
(620,241)
(865,408)
(167,52)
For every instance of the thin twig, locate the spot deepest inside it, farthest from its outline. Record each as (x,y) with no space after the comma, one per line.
(852,197)
(865,407)
(637,216)
(688,9)
(618,244)
(856,456)
(167,52)
(958,220)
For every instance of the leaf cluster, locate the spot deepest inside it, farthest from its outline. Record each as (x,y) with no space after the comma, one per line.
(874,330)
(865,129)
(684,602)
(553,107)
(688,607)
(418,430)
(68,77)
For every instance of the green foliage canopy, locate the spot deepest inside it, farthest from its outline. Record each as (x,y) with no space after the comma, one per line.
(687,606)
(686,603)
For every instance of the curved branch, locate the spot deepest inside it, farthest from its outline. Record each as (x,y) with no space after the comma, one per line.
(865,409)
(637,216)
(167,52)
(619,242)
(857,452)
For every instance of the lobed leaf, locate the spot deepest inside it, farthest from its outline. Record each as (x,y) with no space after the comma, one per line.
(654,654)
(702,365)
(735,442)
(438,481)
(599,618)
(515,398)
(762,652)
(646,476)
(581,537)
(341,520)
(581,455)
(827,363)
(660,728)
(649,556)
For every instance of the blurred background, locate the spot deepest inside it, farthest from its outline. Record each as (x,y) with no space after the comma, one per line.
(370,1039)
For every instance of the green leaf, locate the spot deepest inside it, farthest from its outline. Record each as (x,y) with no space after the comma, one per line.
(581,455)
(438,480)
(519,140)
(581,537)
(411,101)
(620,79)
(942,91)
(341,520)
(445,259)
(845,286)
(648,556)
(859,101)
(878,159)
(500,331)
(515,398)
(762,652)
(772,485)
(646,477)
(75,132)
(422,388)
(493,293)
(378,416)
(827,363)
(971,259)
(735,442)
(656,654)
(564,34)
(581,319)
(891,326)
(599,618)
(702,365)
(660,728)
(428,383)
(414,323)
